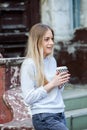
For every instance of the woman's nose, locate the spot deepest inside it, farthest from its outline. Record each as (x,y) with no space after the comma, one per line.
(51,41)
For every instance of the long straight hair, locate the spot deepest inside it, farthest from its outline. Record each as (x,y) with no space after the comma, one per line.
(34,50)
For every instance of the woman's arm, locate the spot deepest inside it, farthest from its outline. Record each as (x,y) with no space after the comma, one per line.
(31,93)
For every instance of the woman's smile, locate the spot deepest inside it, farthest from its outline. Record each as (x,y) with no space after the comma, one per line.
(48,43)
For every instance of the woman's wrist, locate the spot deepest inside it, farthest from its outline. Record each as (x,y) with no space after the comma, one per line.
(48,87)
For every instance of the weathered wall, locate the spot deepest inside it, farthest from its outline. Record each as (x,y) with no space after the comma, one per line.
(73,54)
(9,78)
(70,44)
(83,13)
(56,14)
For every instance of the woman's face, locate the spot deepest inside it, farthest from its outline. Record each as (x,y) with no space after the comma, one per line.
(47,43)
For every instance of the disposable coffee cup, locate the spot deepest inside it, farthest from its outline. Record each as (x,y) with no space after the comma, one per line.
(62,69)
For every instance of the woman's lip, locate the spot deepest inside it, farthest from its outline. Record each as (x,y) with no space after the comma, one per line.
(50,47)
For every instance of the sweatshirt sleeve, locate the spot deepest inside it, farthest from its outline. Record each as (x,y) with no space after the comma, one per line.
(31,93)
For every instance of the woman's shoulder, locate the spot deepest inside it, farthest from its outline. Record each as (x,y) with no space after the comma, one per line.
(28,61)
(52,59)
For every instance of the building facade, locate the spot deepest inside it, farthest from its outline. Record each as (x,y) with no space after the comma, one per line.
(68,20)
(64,16)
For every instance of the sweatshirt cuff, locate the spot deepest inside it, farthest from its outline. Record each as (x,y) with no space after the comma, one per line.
(44,91)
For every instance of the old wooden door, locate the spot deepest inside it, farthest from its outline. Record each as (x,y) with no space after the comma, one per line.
(16,18)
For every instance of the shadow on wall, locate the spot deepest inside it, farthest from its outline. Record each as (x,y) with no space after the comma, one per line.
(73,54)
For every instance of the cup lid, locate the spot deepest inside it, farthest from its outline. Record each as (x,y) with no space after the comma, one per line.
(62,67)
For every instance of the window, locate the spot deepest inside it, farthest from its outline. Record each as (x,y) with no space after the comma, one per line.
(75,13)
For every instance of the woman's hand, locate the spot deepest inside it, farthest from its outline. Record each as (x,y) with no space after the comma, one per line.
(58,80)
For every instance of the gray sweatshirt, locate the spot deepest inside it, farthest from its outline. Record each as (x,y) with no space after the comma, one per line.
(36,96)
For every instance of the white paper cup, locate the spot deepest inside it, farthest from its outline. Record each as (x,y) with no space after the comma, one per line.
(62,69)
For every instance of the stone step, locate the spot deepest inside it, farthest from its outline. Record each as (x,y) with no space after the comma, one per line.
(75,97)
(77,119)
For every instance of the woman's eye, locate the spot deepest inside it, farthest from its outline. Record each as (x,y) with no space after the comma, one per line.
(52,39)
(46,39)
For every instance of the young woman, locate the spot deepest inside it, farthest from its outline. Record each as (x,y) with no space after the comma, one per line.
(41,83)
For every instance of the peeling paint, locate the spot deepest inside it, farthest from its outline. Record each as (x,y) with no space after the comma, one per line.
(12,71)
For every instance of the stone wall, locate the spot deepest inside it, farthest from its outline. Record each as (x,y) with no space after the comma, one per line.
(56,14)
(70,43)
(9,78)
(73,54)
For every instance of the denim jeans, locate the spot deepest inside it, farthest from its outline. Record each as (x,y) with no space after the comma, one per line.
(49,121)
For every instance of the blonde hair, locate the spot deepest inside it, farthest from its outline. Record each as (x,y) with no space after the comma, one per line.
(34,50)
